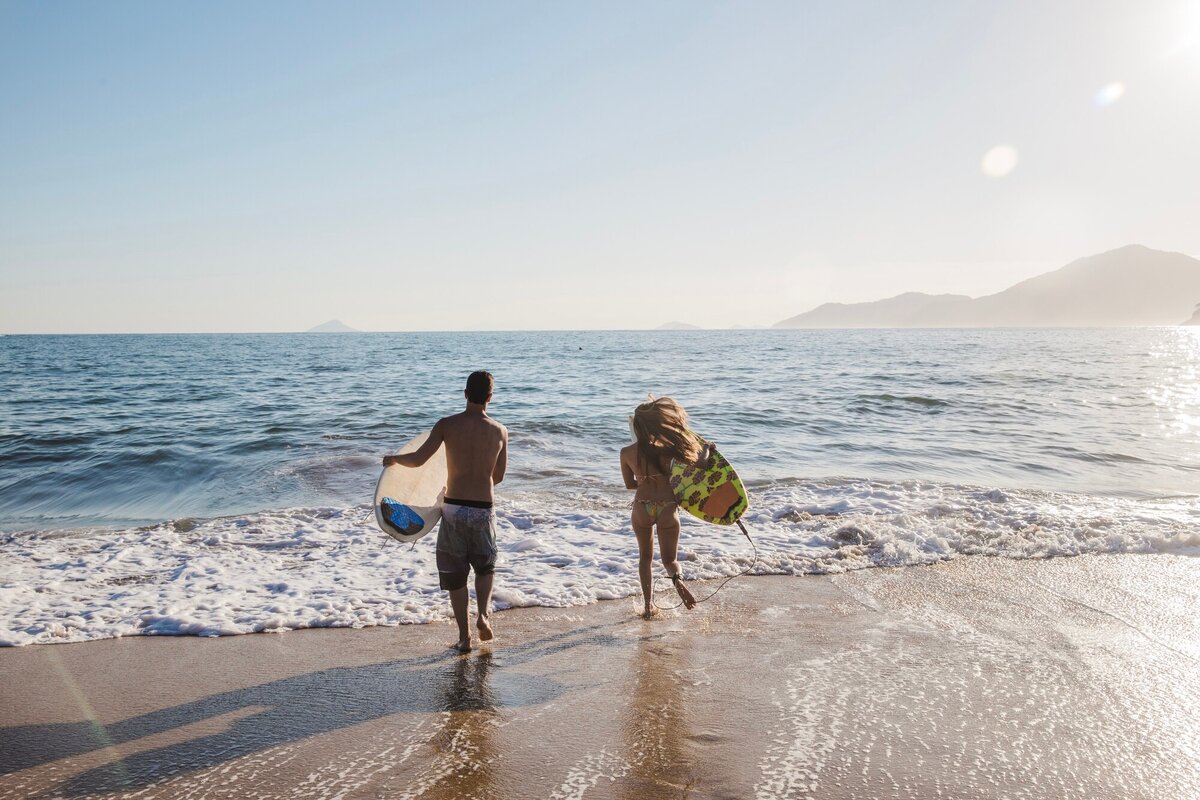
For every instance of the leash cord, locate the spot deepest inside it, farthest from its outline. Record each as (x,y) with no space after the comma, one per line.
(720,586)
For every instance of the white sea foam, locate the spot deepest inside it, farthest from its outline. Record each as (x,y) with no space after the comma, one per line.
(331,567)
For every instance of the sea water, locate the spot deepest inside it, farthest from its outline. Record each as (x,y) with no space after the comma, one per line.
(220,484)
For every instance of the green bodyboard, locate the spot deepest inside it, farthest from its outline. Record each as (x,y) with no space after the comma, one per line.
(712,491)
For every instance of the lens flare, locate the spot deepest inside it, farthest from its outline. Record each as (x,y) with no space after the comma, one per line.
(999,161)
(1107,95)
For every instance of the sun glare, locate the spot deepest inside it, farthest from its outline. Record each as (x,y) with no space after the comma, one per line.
(1107,95)
(999,161)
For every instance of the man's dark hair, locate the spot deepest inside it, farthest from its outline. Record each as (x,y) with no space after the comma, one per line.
(479,386)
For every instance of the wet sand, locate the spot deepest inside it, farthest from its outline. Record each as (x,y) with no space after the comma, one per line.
(977,678)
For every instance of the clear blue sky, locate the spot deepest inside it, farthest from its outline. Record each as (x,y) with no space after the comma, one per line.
(268,166)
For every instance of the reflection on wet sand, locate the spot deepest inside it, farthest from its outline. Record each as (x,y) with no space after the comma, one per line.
(466,752)
(654,725)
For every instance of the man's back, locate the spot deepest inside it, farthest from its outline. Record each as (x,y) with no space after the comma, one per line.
(476,454)
(476,459)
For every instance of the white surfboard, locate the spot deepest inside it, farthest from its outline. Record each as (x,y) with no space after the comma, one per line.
(408,501)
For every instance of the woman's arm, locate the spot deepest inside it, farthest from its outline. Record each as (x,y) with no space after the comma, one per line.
(627,474)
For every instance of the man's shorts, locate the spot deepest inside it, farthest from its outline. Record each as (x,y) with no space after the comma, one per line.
(466,540)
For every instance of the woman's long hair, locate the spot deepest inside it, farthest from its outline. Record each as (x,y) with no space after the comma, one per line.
(661,427)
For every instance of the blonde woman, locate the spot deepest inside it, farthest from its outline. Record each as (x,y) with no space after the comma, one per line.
(660,427)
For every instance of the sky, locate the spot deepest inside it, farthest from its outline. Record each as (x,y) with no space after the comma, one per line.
(270,166)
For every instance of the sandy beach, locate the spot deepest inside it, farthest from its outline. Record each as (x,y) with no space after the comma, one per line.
(977,678)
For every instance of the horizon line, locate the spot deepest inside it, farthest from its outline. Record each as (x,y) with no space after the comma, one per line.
(614,330)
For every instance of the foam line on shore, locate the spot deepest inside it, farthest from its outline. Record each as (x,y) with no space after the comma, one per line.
(331,567)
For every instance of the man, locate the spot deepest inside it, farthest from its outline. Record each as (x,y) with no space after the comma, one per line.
(476,458)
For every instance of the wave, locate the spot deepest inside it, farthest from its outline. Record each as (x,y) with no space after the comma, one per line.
(869,401)
(552,426)
(331,567)
(1095,458)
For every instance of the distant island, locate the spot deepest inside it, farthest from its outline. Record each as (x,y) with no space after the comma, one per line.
(1195,320)
(678,326)
(1132,285)
(333,326)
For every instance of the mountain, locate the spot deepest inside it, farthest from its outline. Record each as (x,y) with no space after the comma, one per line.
(333,326)
(1133,285)
(677,326)
(910,309)
(1195,320)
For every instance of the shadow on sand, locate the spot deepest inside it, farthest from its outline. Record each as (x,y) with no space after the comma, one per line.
(295,708)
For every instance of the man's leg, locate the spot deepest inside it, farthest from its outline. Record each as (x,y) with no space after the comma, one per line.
(459,601)
(483,561)
(483,598)
(453,569)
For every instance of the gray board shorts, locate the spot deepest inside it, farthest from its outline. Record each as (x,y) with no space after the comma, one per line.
(466,540)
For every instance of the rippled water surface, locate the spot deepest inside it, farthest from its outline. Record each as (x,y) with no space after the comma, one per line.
(123,430)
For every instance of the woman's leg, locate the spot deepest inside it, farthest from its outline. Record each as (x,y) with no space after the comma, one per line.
(668,548)
(643,529)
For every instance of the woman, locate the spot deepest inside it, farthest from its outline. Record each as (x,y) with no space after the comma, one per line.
(661,429)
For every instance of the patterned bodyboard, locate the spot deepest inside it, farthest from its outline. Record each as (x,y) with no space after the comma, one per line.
(713,492)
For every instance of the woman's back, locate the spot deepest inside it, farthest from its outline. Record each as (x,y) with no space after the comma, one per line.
(653,479)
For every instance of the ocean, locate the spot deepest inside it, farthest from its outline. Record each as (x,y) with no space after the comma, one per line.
(221,484)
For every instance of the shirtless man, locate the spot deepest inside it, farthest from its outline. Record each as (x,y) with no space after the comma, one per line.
(476,457)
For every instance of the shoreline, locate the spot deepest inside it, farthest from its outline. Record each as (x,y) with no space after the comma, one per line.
(331,567)
(977,677)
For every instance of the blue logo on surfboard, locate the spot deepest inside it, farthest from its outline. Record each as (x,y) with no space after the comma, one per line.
(401,517)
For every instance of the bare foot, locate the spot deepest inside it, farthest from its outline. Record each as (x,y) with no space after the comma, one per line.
(649,613)
(685,595)
(462,646)
(485,629)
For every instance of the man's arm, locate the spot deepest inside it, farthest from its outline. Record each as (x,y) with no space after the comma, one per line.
(501,458)
(422,454)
